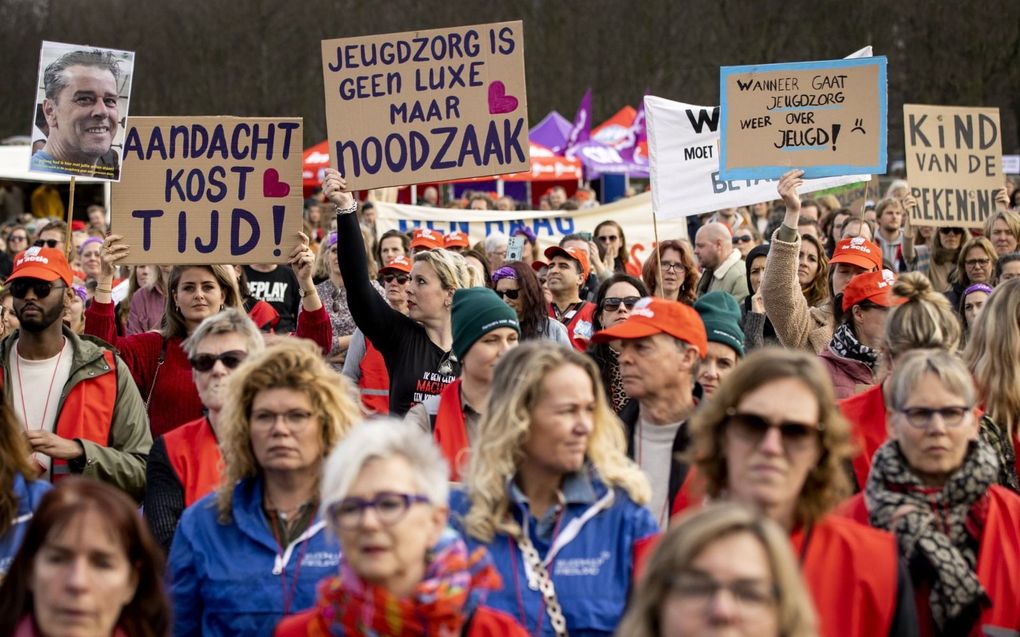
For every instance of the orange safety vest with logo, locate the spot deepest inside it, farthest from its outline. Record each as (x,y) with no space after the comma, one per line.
(195,456)
(87,412)
(578,323)
(375,381)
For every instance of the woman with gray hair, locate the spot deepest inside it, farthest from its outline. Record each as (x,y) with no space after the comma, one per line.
(184,463)
(403,571)
(934,486)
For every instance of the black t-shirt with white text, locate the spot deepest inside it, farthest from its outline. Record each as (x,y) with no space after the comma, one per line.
(279,288)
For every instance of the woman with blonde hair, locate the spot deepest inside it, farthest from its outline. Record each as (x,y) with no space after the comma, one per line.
(976,264)
(771,438)
(251,553)
(553,496)
(417,348)
(721,547)
(993,350)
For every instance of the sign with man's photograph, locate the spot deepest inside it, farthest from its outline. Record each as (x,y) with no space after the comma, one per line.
(81,109)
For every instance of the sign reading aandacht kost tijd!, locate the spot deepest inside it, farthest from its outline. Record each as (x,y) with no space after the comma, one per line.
(828,118)
(424,106)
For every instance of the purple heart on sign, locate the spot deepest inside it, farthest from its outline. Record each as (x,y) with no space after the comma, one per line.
(272,186)
(499,101)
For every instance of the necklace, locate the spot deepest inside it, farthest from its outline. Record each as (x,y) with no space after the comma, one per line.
(21,387)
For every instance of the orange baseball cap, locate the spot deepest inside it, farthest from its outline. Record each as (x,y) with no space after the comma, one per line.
(45,264)
(537,265)
(652,316)
(427,238)
(858,251)
(456,239)
(871,286)
(397,264)
(577,254)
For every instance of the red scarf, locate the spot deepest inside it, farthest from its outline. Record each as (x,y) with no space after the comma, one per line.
(450,430)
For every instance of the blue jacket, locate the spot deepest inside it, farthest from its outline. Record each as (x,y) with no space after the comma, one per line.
(29,494)
(228,579)
(591,558)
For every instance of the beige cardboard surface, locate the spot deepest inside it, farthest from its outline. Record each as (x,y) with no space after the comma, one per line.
(781,116)
(210,190)
(426,106)
(954,163)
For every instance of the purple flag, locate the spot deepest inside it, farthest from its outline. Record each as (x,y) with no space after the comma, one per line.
(581,130)
(635,136)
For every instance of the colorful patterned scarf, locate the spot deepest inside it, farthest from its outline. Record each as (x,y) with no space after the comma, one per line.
(455,584)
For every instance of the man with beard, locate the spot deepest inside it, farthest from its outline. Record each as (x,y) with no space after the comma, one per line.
(76,399)
(81,111)
(568,270)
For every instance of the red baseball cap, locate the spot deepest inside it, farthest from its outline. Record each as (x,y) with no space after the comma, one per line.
(652,316)
(456,239)
(871,286)
(45,264)
(537,265)
(858,251)
(397,264)
(427,238)
(577,254)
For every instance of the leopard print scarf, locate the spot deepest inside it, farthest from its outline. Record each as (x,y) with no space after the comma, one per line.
(941,527)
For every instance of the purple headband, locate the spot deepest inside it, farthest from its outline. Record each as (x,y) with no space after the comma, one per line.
(527,232)
(977,287)
(505,272)
(80,291)
(330,240)
(84,243)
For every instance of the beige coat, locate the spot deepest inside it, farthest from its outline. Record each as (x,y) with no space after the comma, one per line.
(797,325)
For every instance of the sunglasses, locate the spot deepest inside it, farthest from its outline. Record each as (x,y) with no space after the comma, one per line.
(613,303)
(753,428)
(41,289)
(510,294)
(399,278)
(16,237)
(958,231)
(49,243)
(744,238)
(230,360)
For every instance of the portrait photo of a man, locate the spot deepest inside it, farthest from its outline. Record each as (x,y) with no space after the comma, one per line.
(79,123)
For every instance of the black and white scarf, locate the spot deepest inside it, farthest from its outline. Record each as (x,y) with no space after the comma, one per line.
(940,526)
(846,345)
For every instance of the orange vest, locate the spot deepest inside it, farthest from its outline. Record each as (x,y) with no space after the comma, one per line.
(375,381)
(866,413)
(851,572)
(195,457)
(451,431)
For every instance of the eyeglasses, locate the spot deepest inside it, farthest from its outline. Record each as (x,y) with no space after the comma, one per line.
(672,266)
(613,303)
(921,417)
(607,238)
(295,419)
(348,514)
(958,231)
(230,359)
(701,588)
(49,243)
(977,263)
(743,238)
(399,278)
(753,428)
(41,289)
(510,294)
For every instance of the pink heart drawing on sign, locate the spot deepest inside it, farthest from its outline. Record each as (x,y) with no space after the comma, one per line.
(499,101)
(272,186)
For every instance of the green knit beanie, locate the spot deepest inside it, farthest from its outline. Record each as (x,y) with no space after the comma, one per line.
(721,315)
(476,312)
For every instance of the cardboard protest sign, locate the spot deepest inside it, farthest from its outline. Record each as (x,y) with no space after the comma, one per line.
(828,118)
(80,112)
(426,106)
(210,190)
(954,163)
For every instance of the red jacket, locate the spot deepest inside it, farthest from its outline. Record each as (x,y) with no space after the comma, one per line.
(866,414)
(195,457)
(486,622)
(997,566)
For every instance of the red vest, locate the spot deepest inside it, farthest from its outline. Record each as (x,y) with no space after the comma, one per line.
(195,457)
(487,622)
(450,430)
(866,413)
(998,558)
(691,493)
(375,381)
(579,325)
(851,573)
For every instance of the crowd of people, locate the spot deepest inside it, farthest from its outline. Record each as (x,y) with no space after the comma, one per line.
(800,421)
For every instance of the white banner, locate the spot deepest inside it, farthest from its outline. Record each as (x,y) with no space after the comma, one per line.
(633,214)
(683,148)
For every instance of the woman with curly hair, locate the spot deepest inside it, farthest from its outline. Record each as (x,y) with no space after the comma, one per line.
(679,273)
(247,555)
(772,438)
(553,497)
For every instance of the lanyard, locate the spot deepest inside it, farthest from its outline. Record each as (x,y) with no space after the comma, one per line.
(517,584)
(288,592)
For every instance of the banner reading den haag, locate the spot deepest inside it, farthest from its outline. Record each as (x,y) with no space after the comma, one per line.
(427,106)
(210,190)
(828,118)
